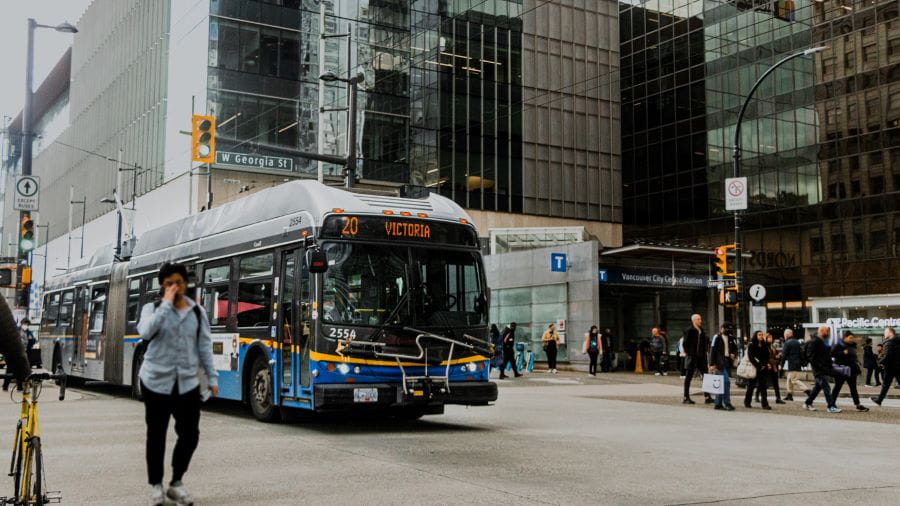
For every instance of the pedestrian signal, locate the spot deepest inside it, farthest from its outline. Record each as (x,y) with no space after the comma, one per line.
(203,139)
(26,235)
(722,260)
(729,296)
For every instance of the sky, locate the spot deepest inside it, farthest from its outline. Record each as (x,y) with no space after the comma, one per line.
(48,44)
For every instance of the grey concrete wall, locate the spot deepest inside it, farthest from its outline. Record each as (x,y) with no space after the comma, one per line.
(532,268)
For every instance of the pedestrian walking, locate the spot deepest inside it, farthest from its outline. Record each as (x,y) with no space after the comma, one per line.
(659,345)
(179,344)
(816,354)
(550,340)
(592,348)
(606,350)
(870,362)
(722,357)
(696,346)
(774,366)
(758,352)
(509,353)
(792,361)
(890,362)
(844,353)
(681,357)
(497,343)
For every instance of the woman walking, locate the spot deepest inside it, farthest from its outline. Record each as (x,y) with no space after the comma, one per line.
(758,354)
(592,348)
(497,341)
(844,353)
(774,361)
(550,339)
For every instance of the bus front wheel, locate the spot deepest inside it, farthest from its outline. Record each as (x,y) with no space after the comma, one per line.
(260,391)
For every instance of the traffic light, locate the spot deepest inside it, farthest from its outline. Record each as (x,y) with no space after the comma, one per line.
(722,260)
(26,236)
(729,296)
(203,138)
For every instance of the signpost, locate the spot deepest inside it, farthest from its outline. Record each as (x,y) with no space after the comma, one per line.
(27,193)
(736,194)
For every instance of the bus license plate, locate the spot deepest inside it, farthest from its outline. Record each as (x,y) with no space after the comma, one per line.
(365,395)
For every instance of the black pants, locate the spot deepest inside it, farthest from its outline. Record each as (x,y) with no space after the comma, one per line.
(851,382)
(759,383)
(886,381)
(606,362)
(593,354)
(509,357)
(691,366)
(657,359)
(773,380)
(551,354)
(879,374)
(157,410)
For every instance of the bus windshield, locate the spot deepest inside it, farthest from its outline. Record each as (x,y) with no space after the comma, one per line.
(422,287)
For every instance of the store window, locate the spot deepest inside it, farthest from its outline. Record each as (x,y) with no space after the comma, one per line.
(533,309)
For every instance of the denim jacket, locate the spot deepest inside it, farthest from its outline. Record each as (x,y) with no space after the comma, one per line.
(173,353)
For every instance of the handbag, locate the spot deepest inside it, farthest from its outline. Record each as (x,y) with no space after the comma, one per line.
(840,370)
(745,368)
(713,384)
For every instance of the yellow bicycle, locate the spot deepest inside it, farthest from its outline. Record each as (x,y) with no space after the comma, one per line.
(27,463)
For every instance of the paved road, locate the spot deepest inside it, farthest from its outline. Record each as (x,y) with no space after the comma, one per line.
(543,443)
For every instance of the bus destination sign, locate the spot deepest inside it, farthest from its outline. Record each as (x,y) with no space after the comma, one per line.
(397,229)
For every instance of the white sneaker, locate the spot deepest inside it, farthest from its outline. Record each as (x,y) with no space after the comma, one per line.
(549,371)
(834,409)
(555,371)
(808,407)
(180,495)
(682,377)
(657,374)
(665,374)
(157,497)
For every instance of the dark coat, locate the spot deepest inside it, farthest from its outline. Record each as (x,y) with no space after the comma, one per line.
(818,357)
(848,359)
(696,345)
(509,340)
(11,345)
(497,359)
(759,353)
(717,356)
(869,361)
(891,355)
(792,353)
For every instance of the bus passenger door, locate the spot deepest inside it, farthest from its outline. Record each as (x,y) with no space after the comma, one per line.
(79,323)
(287,323)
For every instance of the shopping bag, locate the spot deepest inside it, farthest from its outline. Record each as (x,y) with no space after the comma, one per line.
(714,384)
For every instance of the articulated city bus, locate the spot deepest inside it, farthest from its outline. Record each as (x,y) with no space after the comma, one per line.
(318,299)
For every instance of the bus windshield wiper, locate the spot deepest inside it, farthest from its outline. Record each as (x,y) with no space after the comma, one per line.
(378,333)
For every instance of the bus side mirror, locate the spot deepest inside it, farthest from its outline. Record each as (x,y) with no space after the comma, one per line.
(317,261)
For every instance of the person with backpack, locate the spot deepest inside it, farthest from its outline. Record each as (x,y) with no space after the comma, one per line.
(792,361)
(889,360)
(844,353)
(816,353)
(176,330)
(659,345)
(509,350)
(592,348)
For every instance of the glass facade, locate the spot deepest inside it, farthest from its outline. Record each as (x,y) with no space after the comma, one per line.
(440,107)
(820,139)
(533,309)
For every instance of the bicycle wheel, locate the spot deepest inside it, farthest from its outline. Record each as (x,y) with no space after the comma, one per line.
(29,488)
(38,467)
(15,465)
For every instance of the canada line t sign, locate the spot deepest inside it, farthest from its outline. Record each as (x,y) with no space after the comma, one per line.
(735,193)
(27,193)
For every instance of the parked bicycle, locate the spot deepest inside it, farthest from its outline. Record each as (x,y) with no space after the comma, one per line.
(27,463)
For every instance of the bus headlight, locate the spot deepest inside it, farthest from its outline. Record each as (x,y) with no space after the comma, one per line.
(356,370)
(472,367)
(343,368)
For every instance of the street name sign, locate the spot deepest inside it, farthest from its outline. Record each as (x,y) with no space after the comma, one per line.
(255,160)
(735,193)
(27,193)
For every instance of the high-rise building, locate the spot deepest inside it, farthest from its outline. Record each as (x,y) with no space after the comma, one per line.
(508,107)
(821,141)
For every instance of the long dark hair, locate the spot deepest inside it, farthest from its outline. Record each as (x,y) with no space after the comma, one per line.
(494,328)
(594,330)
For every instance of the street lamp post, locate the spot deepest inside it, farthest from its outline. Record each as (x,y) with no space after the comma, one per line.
(736,157)
(27,120)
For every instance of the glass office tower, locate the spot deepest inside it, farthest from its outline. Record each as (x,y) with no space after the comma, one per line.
(820,139)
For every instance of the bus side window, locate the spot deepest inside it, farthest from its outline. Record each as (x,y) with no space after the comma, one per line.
(215,293)
(66,309)
(98,310)
(134,299)
(254,306)
(52,310)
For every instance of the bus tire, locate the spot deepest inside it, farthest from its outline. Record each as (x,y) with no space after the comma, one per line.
(136,391)
(260,392)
